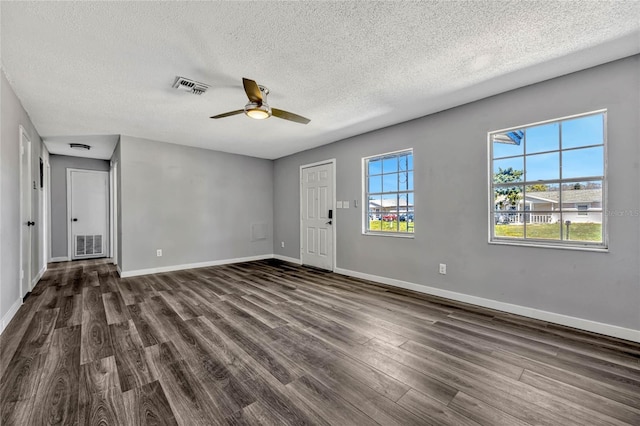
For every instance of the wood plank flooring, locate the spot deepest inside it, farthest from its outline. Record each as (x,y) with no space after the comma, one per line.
(269,342)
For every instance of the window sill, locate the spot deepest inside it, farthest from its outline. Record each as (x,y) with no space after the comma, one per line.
(389,234)
(537,244)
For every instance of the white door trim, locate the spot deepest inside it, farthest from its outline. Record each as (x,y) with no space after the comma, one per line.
(113,211)
(48,189)
(335,216)
(25,149)
(69,236)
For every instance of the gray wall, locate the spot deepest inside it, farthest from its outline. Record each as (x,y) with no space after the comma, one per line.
(450,150)
(12,115)
(59,166)
(196,205)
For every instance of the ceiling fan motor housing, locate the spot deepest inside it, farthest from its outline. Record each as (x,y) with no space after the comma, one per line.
(259,110)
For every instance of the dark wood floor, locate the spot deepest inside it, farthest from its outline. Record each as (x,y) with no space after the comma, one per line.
(273,343)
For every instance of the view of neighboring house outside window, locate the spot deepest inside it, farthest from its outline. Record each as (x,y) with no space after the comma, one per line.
(547,183)
(388,194)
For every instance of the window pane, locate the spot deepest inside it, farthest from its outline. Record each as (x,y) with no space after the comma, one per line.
(375,184)
(411,202)
(582,207)
(509,228)
(375,166)
(575,194)
(405,162)
(374,223)
(543,167)
(390,183)
(390,203)
(403,200)
(539,227)
(583,162)
(507,197)
(582,228)
(583,131)
(390,164)
(375,206)
(389,213)
(402,218)
(542,200)
(405,181)
(508,144)
(508,170)
(543,138)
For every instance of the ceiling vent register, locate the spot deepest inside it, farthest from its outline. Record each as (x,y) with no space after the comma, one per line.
(190,86)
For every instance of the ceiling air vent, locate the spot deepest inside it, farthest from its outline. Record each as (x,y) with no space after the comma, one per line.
(190,86)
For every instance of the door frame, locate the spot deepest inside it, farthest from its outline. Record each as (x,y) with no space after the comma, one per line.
(45,210)
(108,230)
(331,161)
(25,187)
(113,211)
(49,221)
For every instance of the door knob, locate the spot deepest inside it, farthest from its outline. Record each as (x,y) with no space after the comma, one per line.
(29,223)
(75,219)
(328,223)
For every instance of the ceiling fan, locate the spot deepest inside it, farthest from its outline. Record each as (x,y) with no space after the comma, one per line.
(258,107)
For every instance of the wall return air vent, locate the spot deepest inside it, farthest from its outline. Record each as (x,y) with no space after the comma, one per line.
(89,245)
(190,86)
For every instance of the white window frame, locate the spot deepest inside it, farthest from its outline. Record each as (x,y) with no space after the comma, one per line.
(559,244)
(365,196)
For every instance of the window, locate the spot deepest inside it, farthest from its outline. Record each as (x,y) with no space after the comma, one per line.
(388,194)
(544,178)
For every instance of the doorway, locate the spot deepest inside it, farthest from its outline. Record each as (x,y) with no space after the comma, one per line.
(317,219)
(26,224)
(87,213)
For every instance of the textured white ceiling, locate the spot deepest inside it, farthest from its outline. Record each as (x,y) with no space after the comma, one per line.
(91,68)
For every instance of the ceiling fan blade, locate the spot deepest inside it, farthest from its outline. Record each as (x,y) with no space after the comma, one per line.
(289,116)
(252,90)
(228,114)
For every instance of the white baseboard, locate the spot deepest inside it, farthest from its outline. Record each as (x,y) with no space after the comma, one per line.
(35,279)
(287,259)
(59,259)
(580,323)
(6,319)
(135,273)
(119,270)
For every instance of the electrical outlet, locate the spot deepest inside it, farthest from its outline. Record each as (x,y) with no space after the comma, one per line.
(159,252)
(282,244)
(443,268)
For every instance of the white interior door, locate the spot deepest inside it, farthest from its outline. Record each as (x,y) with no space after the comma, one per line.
(88,202)
(26,223)
(316,211)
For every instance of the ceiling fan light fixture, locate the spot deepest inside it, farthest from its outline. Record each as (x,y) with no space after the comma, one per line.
(257,112)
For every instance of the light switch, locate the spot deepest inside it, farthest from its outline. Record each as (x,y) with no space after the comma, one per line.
(338,204)
(345,204)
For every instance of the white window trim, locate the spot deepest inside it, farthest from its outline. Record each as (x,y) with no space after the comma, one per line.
(365,201)
(576,245)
